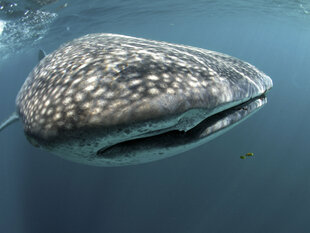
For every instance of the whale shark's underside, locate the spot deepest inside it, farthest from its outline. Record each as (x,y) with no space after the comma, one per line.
(112,100)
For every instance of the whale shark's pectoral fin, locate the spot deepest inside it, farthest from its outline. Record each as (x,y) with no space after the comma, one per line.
(14,117)
(41,54)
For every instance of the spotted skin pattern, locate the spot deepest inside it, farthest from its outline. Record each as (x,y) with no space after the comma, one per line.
(103,89)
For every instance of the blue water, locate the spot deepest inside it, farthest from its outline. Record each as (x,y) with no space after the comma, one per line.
(208,189)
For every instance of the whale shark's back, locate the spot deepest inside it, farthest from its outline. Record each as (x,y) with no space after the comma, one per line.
(102,80)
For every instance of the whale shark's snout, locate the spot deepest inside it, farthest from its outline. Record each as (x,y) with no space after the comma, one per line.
(111,100)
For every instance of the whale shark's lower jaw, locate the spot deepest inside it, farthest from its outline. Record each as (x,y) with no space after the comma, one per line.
(159,146)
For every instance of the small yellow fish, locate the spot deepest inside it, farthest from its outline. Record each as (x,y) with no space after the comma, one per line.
(249,154)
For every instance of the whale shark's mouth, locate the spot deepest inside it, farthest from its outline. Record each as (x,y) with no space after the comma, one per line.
(206,130)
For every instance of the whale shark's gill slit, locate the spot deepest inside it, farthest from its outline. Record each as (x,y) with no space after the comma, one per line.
(119,149)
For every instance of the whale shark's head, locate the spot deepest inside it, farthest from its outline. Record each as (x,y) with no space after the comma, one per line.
(111,100)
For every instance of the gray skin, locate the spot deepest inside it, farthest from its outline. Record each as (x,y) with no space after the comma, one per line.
(113,100)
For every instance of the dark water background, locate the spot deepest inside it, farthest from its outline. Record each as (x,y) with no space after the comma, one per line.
(208,189)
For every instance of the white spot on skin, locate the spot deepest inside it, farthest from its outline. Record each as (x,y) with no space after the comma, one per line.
(66,80)
(67,100)
(214,90)
(90,87)
(204,83)
(109,95)
(193,84)
(43,111)
(133,75)
(175,85)
(69,92)
(135,82)
(70,106)
(49,112)
(99,92)
(57,95)
(154,91)
(167,80)
(70,113)
(178,79)
(150,84)
(170,91)
(193,79)
(92,79)
(56,89)
(79,97)
(96,111)
(125,93)
(140,89)
(115,105)
(76,81)
(211,72)
(47,103)
(152,77)
(163,85)
(135,96)
(165,75)
(57,116)
(59,108)
(36,102)
(101,103)
(86,105)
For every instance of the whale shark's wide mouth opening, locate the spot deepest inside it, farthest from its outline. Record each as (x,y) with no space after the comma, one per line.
(208,127)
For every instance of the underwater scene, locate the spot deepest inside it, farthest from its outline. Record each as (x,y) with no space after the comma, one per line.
(132,116)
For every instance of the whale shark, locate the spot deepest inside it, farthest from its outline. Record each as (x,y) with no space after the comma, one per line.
(114,100)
